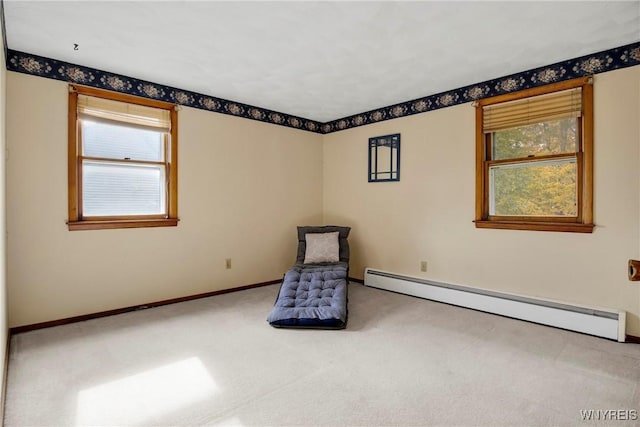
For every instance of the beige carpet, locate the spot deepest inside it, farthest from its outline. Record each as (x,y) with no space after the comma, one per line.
(401,361)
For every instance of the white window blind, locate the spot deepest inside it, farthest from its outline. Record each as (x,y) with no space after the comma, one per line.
(114,189)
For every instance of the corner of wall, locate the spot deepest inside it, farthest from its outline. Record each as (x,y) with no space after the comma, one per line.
(4,331)
(323,214)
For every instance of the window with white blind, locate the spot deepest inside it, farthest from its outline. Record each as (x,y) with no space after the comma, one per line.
(122,161)
(534,159)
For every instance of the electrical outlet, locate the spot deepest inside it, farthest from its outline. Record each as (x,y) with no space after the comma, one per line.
(423,265)
(228,263)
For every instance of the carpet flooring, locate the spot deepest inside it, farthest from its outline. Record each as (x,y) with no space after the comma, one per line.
(402,361)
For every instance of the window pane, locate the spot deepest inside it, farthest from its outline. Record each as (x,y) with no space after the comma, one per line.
(122,189)
(540,139)
(121,142)
(384,159)
(545,188)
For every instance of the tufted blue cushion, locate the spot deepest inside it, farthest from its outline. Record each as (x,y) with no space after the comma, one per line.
(312,296)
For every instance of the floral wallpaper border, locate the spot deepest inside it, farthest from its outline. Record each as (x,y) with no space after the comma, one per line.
(620,57)
(50,68)
(608,60)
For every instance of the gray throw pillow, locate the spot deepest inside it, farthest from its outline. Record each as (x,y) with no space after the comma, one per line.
(342,239)
(321,247)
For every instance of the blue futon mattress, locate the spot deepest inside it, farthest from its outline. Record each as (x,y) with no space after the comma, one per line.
(312,296)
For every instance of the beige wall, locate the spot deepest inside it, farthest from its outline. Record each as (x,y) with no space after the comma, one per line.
(3,229)
(243,188)
(238,178)
(428,214)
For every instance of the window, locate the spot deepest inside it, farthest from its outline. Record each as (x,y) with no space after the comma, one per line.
(534,159)
(122,161)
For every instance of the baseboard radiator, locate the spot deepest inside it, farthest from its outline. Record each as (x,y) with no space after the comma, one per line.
(600,322)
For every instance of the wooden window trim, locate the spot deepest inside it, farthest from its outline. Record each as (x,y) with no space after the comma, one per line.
(130,223)
(535,226)
(75,221)
(583,222)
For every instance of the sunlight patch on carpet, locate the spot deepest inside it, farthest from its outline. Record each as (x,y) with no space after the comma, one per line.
(229,422)
(147,395)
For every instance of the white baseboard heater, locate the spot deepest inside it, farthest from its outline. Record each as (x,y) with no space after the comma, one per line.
(600,322)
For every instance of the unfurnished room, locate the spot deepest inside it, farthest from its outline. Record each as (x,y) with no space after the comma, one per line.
(320,213)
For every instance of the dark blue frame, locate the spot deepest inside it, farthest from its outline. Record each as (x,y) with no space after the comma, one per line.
(391,141)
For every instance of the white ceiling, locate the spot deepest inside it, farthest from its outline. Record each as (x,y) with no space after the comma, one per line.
(318,60)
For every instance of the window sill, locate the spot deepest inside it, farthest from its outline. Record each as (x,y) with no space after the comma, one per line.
(124,223)
(536,226)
